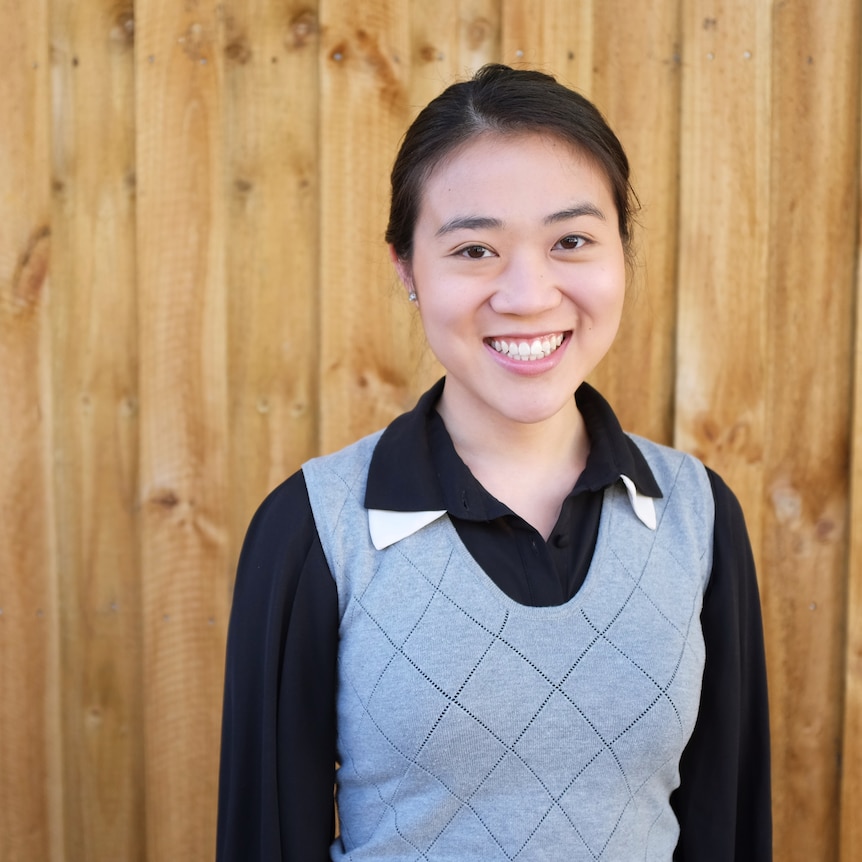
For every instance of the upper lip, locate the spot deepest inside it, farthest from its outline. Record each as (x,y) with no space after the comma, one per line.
(535,337)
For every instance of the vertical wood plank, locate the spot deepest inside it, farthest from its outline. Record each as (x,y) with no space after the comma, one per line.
(554,36)
(723,242)
(850,826)
(30,779)
(721,391)
(449,41)
(636,84)
(808,361)
(185,562)
(95,441)
(369,347)
(272,193)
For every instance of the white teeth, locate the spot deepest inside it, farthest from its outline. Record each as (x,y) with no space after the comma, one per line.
(527,351)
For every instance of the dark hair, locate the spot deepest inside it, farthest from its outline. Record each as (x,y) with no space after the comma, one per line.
(503,100)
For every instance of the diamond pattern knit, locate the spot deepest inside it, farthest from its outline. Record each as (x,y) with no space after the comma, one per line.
(475,728)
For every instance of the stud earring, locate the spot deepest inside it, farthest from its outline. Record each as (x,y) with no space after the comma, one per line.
(412,296)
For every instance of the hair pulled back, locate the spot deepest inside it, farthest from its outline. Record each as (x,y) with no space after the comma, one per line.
(505,101)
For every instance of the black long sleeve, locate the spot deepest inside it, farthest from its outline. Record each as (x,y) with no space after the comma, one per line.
(278,735)
(723,803)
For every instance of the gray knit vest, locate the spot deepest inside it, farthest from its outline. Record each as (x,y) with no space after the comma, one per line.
(471,727)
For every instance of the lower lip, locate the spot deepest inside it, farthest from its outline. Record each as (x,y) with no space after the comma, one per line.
(531,367)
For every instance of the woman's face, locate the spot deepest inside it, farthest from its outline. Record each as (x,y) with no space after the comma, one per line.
(520,275)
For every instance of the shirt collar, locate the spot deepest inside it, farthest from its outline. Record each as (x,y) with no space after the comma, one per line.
(416,476)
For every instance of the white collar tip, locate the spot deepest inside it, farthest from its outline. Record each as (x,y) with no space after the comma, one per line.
(644,507)
(388,527)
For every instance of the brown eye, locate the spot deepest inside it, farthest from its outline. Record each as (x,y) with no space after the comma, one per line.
(475,252)
(572,241)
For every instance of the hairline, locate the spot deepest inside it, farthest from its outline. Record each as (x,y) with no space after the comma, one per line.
(485,129)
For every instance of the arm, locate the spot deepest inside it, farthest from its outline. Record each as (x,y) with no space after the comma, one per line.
(723,803)
(278,729)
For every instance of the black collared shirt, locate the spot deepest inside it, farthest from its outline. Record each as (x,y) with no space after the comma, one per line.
(526,567)
(279,723)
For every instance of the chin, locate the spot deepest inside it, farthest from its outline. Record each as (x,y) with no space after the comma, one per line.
(536,411)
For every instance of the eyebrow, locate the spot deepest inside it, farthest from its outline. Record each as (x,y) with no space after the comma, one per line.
(469,223)
(585,209)
(487,223)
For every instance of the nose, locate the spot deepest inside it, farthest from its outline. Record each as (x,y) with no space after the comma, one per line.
(526,287)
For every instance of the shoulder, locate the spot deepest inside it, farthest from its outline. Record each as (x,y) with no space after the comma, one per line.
(733,557)
(669,461)
(677,472)
(334,480)
(348,465)
(665,459)
(287,503)
(728,509)
(279,545)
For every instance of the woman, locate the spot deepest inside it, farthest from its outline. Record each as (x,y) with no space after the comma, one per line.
(520,632)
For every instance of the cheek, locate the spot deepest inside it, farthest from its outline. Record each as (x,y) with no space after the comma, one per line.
(438,317)
(602,291)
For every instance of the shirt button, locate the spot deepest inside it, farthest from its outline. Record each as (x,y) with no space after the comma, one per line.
(561,540)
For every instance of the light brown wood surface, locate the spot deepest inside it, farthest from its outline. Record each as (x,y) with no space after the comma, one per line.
(850,830)
(182,316)
(638,89)
(30,682)
(723,242)
(95,441)
(850,846)
(809,346)
(195,297)
(365,51)
(272,245)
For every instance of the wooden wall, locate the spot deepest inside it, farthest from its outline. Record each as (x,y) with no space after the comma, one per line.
(195,297)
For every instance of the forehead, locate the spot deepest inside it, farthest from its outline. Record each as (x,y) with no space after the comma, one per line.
(514,170)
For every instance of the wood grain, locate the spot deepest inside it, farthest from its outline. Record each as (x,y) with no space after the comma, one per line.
(554,36)
(449,42)
(272,192)
(815,60)
(723,243)
(185,564)
(723,240)
(850,828)
(636,84)
(31,825)
(95,442)
(369,348)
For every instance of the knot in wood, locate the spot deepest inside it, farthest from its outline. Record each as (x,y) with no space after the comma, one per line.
(303,28)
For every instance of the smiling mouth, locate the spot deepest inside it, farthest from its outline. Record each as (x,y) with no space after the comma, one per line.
(530,349)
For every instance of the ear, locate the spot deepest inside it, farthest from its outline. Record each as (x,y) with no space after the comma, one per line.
(402,267)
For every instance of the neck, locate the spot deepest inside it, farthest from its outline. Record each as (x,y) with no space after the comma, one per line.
(553,440)
(531,467)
